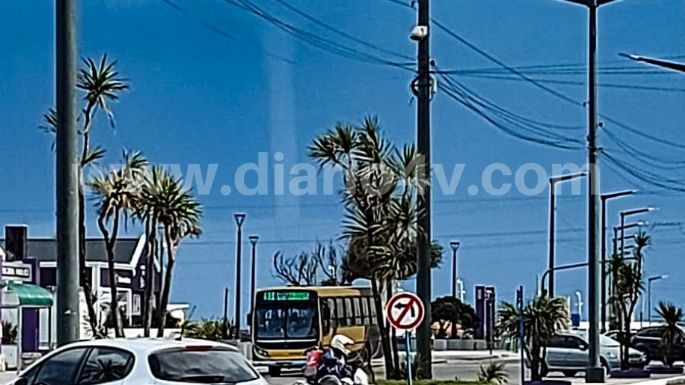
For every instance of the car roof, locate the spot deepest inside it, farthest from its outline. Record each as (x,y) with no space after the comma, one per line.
(150,345)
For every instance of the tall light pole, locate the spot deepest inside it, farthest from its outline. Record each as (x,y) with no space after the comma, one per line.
(455,248)
(253,273)
(239,220)
(605,198)
(680,67)
(422,87)
(649,294)
(552,221)
(594,372)
(66,174)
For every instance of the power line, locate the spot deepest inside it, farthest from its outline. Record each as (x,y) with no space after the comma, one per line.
(215,29)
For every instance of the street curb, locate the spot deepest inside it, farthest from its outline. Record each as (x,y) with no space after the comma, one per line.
(680,380)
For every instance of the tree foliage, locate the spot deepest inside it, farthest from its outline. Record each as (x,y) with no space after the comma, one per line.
(319,266)
(628,285)
(382,196)
(448,310)
(543,318)
(493,373)
(672,337)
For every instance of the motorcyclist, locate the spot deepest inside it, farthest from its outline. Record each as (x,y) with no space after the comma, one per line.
(334,362)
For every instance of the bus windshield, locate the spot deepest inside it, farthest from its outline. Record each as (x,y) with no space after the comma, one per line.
(287,320)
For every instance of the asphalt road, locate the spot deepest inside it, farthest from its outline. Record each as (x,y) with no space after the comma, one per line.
(464,370)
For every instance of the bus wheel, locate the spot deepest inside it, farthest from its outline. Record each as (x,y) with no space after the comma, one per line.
(274,371)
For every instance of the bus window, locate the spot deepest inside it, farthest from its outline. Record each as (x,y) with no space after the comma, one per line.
(365,311)
(372,307)
(301,323)
(340,312)
(271,323)
(326,316)
(357,311)
(349,312)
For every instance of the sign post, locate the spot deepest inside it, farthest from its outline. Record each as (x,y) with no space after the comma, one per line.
(405,311)
(522,332)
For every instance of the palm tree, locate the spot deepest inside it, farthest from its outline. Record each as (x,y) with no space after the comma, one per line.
(673,335)
(493,373)
(543,318)
(382,190)
(628,286)
(117,192)
(101,84)
(173,207)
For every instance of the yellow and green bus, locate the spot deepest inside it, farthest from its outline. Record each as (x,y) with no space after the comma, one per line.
(288,321)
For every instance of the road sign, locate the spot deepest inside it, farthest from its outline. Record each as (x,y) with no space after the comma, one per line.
(405,311)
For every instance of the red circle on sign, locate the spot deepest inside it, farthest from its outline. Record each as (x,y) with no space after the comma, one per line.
(411,311)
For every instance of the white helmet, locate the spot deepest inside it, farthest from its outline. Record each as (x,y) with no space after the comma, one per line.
(340,342)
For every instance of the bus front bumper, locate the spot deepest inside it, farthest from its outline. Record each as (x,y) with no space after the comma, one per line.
(280,363)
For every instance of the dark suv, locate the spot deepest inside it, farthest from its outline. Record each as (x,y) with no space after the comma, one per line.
(648,341)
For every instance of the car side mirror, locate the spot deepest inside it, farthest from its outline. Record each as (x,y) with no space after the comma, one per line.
(21,381)
(583,346)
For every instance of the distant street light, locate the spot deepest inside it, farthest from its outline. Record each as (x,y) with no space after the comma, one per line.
(253,273)
(605,198)
(579,298)
(657,62)
(552,206)
(455,248)
(628,213)
(239,220)
(649,294)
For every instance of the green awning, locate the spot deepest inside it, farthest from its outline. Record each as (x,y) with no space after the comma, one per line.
(30,295)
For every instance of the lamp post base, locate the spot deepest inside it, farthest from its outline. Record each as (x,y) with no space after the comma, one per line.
(595,375)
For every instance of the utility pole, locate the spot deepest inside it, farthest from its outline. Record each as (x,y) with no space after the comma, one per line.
(239,220)
(423,88)
(67,175)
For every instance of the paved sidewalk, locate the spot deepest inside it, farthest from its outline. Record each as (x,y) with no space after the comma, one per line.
(6,377)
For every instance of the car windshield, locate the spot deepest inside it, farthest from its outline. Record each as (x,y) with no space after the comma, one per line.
(281,320)
(202,365)
(603,340)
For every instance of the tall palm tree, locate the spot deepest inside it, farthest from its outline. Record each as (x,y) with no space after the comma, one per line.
(117,192)
(628,286)
(382,190)
(101,84)
(543,318)
(673,335)
(176,210)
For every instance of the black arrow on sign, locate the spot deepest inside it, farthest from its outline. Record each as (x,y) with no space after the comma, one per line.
(401,306)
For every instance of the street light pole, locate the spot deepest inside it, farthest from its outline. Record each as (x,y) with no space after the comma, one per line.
(239,220)
(66,174)
(649,294)
(594,372)
(552,221)
(455,247)
(253,273)
(605,198)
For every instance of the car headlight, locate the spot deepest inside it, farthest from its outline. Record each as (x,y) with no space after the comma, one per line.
(612,355)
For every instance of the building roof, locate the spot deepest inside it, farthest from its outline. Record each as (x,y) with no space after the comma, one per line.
(127,251)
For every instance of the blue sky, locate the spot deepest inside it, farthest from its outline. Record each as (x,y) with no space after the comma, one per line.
(198,97)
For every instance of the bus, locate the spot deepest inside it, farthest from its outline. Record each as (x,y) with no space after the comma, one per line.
(289,321)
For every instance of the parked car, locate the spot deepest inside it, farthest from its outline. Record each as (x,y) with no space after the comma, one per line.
(568,353)
(648,341)
(141,361)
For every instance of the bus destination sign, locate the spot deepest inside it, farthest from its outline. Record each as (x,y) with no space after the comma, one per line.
(285,296)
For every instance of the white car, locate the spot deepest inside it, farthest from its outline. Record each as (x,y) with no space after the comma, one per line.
(142,362)
(568,353)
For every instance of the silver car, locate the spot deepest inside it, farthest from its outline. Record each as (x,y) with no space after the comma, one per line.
(568,353)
